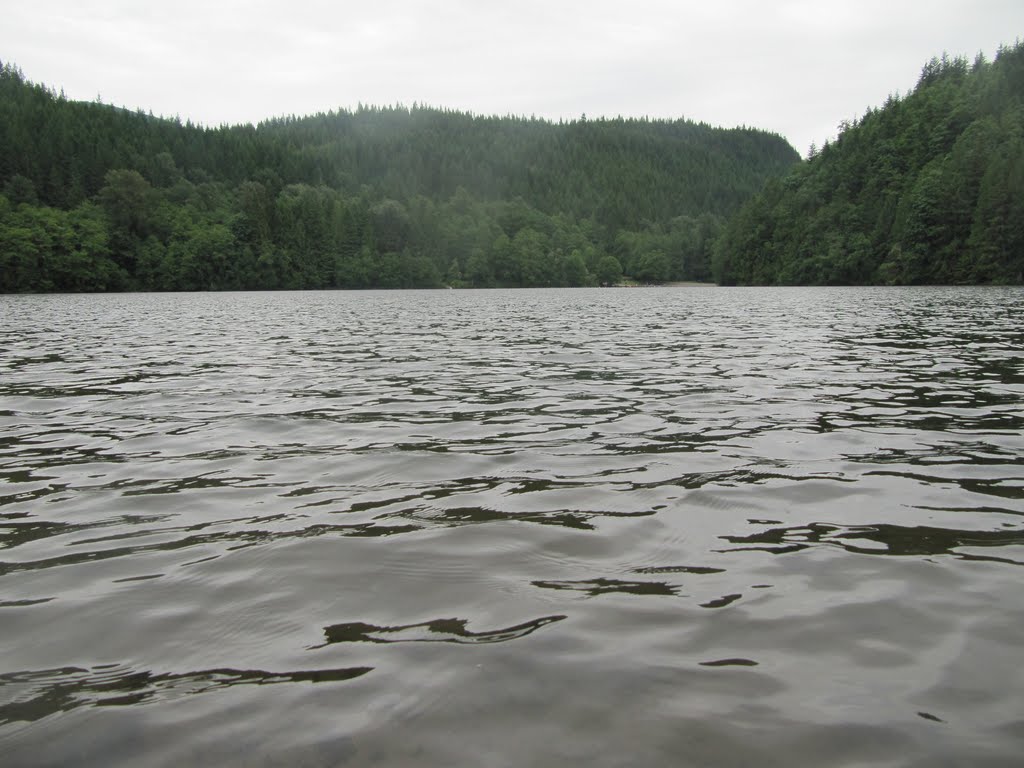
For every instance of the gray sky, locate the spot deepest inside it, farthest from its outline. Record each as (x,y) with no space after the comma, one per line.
(796,67)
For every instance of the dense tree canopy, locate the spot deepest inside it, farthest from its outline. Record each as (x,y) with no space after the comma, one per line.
(94,197)
(927,189)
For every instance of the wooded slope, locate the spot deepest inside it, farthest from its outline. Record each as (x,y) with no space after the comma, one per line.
(99,198)
(927,189)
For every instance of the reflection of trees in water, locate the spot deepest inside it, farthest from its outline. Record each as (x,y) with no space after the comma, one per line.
(435,631)
(894,540)
(47,692)
(602,586)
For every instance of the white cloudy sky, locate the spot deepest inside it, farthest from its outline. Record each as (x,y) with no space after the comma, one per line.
(796,67)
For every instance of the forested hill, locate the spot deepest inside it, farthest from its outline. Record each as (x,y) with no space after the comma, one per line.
(100,198)
(927,189)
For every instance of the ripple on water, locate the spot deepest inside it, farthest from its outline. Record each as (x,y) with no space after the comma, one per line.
(698,527)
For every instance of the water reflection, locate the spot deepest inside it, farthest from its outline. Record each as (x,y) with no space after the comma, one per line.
(435,631)
(759,523)
(884,539)
(34,695)
(602,586)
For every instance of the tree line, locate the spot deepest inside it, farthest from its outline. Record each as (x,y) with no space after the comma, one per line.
(927,189)
(99,198)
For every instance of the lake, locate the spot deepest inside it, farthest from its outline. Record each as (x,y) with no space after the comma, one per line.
(649,527)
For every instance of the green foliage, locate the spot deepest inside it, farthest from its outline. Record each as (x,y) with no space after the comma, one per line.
(609,270)
(927,189)
(101,198)
(46,249)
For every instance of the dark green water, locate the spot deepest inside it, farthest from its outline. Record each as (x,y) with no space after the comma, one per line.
(686,527)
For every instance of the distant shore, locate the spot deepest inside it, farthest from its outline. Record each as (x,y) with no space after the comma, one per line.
(674,284)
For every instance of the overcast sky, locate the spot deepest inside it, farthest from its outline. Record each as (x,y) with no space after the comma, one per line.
(795,67)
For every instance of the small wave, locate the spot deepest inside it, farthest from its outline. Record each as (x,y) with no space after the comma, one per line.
(435,631)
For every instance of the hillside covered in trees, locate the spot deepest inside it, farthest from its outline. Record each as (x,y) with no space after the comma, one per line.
(928,189)
(94,197)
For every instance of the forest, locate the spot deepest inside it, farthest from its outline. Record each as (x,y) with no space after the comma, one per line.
(98,198)
(926,189)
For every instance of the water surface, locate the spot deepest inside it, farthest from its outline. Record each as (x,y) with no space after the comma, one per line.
(693,527)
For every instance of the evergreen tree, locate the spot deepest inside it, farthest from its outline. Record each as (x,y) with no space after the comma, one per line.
(926,189)
(102,198)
